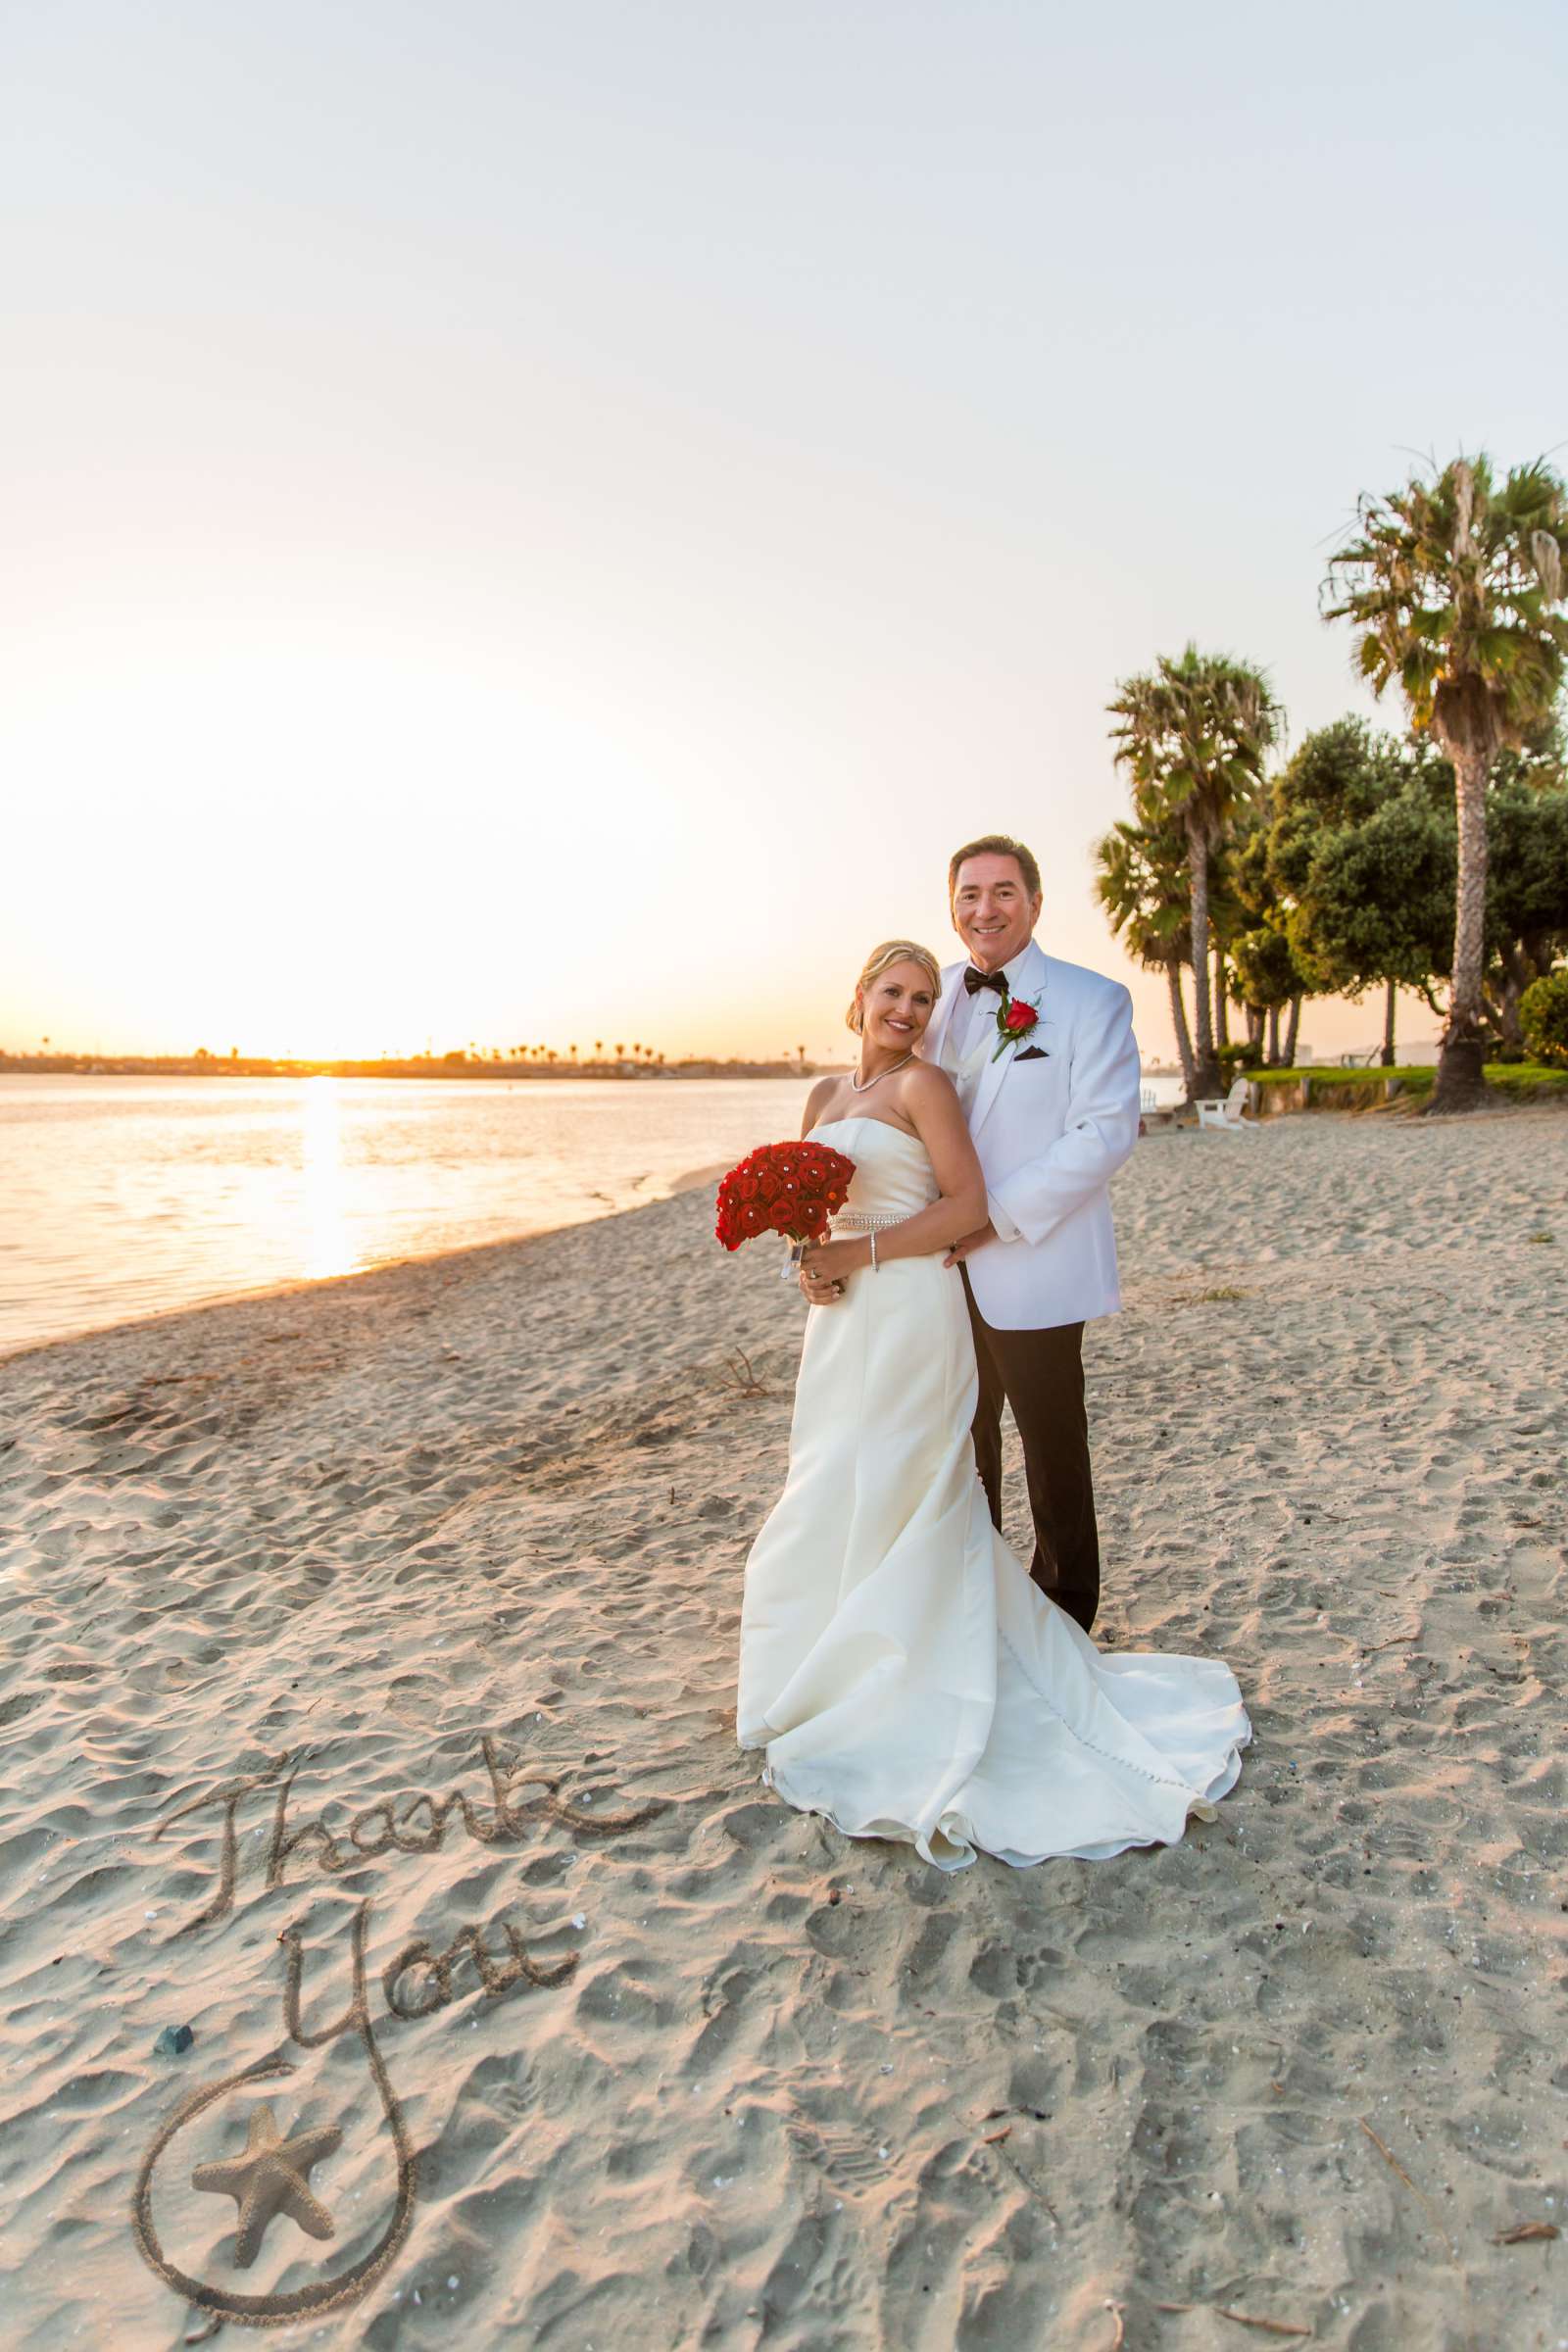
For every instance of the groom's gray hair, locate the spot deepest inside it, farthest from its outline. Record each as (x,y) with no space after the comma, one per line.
(996,845)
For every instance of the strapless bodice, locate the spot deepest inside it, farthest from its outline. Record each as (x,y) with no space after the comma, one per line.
(893,1173)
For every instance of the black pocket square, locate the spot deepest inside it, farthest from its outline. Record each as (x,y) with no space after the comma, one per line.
(1032,1053)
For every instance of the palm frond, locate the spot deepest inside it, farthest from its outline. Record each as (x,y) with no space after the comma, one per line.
(1453,585)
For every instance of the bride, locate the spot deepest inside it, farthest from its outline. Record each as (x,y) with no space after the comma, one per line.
(905,1676)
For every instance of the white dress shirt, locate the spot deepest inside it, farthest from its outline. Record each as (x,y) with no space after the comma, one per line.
(981,1009)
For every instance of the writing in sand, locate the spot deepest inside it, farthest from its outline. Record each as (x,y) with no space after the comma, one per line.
(268,2174)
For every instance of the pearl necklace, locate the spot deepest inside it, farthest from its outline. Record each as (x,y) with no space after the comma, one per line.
(856,1088)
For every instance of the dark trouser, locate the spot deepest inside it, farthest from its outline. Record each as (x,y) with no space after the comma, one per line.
(1041,1375)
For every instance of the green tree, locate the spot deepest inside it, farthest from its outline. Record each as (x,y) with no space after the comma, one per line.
(1453,586)
(1527,892)
(1193,735)
(1360,852)
(1268,977)
(1544,1017)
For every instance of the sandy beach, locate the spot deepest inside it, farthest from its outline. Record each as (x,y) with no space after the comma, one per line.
(396,1617)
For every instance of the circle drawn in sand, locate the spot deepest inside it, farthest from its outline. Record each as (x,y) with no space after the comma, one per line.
(325,2294)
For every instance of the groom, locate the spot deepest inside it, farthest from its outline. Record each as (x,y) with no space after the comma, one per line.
(1054,1114)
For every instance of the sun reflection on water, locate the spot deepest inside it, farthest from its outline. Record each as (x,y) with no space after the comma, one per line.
(326,1239)
(129,1197)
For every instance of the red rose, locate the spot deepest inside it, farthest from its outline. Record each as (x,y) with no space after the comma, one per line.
(1019,1018)
(753,1218)
(783,1214)
(766,1186)
(745,1186)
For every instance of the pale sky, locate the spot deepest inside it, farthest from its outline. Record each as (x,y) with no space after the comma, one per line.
(533,522)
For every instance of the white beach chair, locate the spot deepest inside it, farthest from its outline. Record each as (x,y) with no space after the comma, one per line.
(1225,1110)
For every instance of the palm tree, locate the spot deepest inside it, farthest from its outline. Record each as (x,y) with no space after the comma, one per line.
(1455,588)
(1227,921)
(1194,736)
(1141,884)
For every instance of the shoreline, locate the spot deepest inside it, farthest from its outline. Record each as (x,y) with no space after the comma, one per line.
(1399,1107)
(690,1180)
(1402,1108)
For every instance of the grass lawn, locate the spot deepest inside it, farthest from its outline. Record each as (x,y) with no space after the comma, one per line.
(1522,1078)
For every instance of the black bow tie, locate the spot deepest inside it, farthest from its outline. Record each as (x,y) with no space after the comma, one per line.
(975,981)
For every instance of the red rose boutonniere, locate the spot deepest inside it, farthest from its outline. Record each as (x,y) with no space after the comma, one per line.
(1015,1017)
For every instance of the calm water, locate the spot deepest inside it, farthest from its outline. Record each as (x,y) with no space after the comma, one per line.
(124,1196)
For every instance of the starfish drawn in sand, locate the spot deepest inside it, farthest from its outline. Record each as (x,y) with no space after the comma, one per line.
(272,2176)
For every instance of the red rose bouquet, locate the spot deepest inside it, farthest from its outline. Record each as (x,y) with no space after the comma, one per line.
(792,1188)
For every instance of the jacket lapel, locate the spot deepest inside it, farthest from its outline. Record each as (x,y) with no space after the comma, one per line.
(1031,984)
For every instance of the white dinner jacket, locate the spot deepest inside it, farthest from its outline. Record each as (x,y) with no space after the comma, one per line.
(1051,1131)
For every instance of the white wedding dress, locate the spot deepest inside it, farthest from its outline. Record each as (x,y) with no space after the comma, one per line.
(905,1676)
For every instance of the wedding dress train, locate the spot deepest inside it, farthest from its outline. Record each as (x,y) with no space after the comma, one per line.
(905,1677)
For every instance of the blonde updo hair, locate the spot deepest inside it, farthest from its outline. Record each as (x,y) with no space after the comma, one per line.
(880,959)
